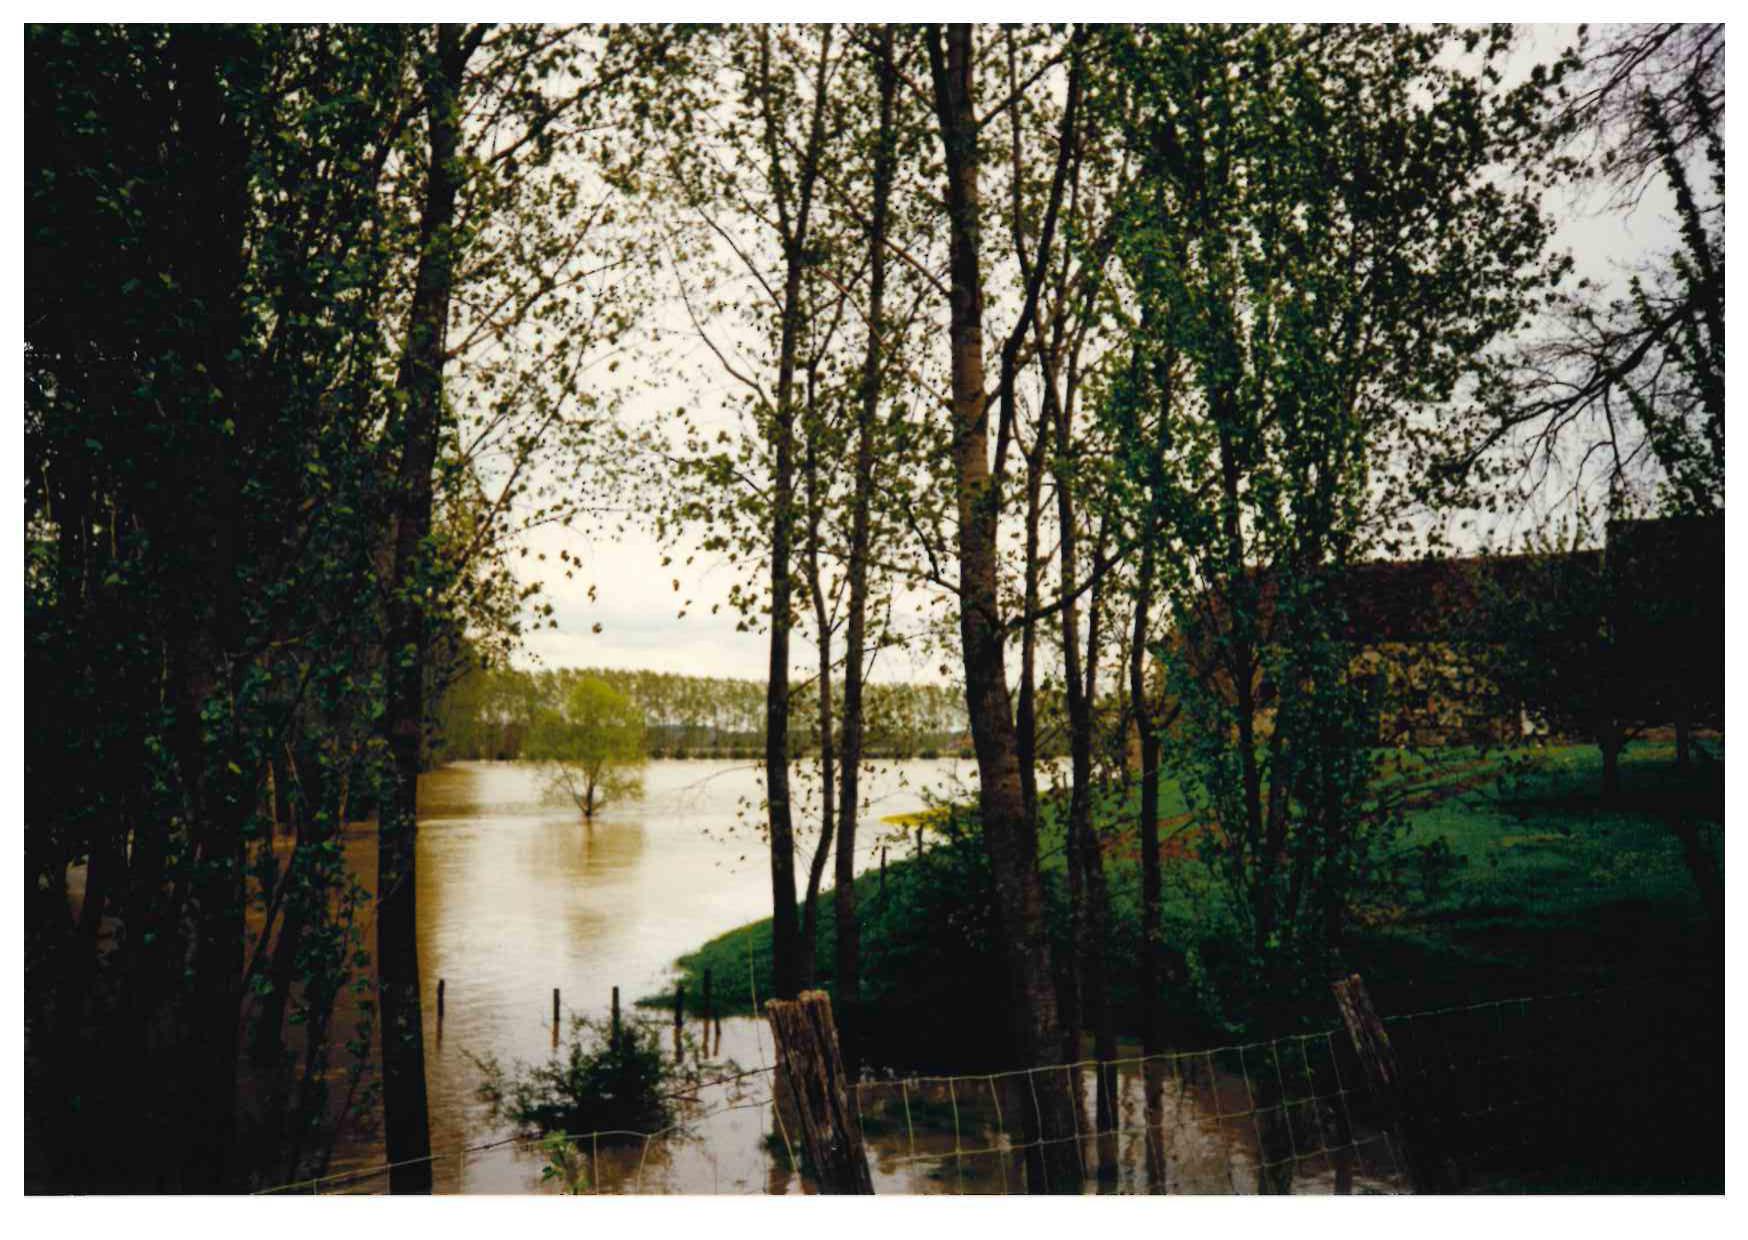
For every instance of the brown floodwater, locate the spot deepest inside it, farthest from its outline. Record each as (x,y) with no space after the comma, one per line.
(517,896)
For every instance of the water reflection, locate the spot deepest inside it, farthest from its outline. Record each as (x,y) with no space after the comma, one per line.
(517,895)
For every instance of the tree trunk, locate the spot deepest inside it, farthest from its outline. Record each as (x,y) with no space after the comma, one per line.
(1240,656)
(1088,890)
(209,1037)
(1026,713)
(1079,736)
(849,941)
(1147,832)
(827,755)
(220,789)
(785,936)
(1009,832)
(1147,835)
(1093,910)
(406,1122)
(1702,868)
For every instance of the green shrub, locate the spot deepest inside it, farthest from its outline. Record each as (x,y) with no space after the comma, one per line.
(600,1084)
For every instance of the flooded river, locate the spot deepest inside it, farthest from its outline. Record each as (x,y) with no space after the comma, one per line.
(518,896)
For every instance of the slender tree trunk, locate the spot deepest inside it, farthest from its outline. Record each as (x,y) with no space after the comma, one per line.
(849,942)
(1010,833)
(214,768)
(827,755)
(1090,903)
(1089,892)
(1240,661)
(785,932)
(1702,868)
(1026,713)
(304,905)
(406,1121)
(785,942)
(1079,719)
(1099,911)
(209,1042)
(1147,833)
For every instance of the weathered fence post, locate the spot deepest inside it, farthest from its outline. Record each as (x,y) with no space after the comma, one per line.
(831,1131)
(1426,1169)
(555,1015)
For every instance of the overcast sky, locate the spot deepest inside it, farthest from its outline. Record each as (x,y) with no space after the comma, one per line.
(636,606)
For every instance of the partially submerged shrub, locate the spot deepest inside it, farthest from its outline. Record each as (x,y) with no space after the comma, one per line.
(602,1082)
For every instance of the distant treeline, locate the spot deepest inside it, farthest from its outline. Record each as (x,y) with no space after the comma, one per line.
(486,714)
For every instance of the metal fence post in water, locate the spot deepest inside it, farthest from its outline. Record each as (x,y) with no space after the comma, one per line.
(808,1056)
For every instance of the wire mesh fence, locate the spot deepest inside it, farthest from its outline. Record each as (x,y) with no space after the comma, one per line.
(1236,1119)
(1618,1089)
(1501,1091)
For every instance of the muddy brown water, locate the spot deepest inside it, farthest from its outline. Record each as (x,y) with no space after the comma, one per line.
(517,896)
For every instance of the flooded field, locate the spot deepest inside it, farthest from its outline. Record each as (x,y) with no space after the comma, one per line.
(518,896)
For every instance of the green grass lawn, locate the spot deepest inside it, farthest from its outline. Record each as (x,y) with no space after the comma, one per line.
(1543,889)
(1552,889)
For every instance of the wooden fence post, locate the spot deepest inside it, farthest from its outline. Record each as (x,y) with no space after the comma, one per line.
(1427,1172)
(807,1053)
(555,1023)
(615,1026)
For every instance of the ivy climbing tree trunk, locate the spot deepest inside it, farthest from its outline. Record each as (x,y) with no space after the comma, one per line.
(406,1120)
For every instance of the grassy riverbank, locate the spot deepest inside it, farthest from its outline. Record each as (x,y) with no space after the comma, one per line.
(1508,881)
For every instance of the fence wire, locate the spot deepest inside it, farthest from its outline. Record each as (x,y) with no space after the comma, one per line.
(1503,1085)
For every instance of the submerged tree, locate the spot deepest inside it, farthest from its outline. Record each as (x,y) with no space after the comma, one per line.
(592,745)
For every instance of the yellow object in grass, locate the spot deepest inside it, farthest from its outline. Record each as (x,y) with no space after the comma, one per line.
(916,818)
